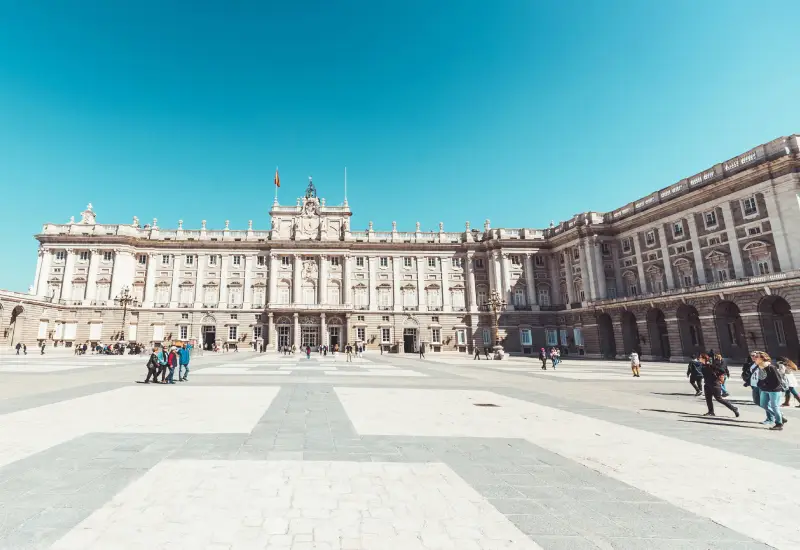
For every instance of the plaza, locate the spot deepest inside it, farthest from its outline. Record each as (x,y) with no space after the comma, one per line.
(273,451)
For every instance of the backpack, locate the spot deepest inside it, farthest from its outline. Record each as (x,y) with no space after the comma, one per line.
(781,370)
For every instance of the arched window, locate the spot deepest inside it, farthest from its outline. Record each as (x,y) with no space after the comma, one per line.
(284,292)
(760,258)
(235,295)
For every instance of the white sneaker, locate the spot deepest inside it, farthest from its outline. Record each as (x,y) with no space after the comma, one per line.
(768,422)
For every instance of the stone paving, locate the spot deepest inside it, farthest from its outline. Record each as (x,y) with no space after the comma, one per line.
(460,455)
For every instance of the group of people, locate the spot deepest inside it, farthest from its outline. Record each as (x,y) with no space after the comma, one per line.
(554,355)
(163,363)
(118,348)
(769,380)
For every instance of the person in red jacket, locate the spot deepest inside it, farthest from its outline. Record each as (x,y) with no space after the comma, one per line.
(172,362)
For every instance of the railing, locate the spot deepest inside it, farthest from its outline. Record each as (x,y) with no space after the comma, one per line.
(557,307)
(235,306)
(192,234)
(362,307)
(434,308)
(410,308)
(384,308)
(214,234)
(410,237)
(459,308)
(185,305)
(168,233)
(210,306)
(381,235)
(526,307)
(261,234)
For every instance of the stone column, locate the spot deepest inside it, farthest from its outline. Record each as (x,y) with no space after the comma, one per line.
(422,305)
(91,276)
(273,279)
(662,239)
(346,328)
(69,268)
(505,273)
(696,252)
(733,243)
(471,297)
(396,282)
(247,299)
(639,264)
(174,294)
(223,281)
(618,282)
(202,264)
(323,337)
(499,280)
(323,279)
(272,337)
(373,299)
(530,280)
(446,304)
(347,286)
(587,275)
(555,279)
(600,270)
(296,335)
(780,234)
(150,281)
(296,283)
(568,271)
(44,274)
(38,274)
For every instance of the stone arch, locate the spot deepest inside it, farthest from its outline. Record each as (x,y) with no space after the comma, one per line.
(283,321)
(605,329)
(690,330)
(15,324)
(730,330)
(410,322)
(208,320)
(630,333)
(778,327)
(659,337)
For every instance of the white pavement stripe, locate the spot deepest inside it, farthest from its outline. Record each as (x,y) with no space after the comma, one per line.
(753,497)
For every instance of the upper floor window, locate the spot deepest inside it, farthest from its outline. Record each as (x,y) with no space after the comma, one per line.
(575,254)
(83,255)
(165,259)
(212,260)
(108,256)
(286,260)
(237,260)
(456,262)
(754,230)
(677,229)
(680,250)
(261,260)
(710,219)
(650,238)
(189,260)
(626,245)
(60,256)
(516,259)
(604,248)
(142,259)
(384,261)
(406,262)
(749,206)
(335,261)
(359,261)
(431,262)
(478,262)
(713,241)
(538,260)
(435,319)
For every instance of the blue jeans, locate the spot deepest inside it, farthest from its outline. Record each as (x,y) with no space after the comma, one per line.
(771,401)
(757,400)
(171,375)
(185,372)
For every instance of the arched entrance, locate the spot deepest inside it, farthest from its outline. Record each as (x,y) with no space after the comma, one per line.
(630,334)
(209,331)
(778,327)
(690,330)
(283,329)
(410,335)
(730,330)
(15,325)
(605,329)
(657,328)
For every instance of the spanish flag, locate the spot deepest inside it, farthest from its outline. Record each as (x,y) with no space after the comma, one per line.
(277,179)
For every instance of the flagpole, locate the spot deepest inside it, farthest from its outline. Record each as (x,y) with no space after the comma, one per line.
(276,187)
(345,185)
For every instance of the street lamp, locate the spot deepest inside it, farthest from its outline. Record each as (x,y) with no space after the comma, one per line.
(497,304)
(124,299)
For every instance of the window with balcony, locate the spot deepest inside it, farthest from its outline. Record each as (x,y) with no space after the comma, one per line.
(710,219)
(544,295)
(233,332)
(749,207)
(108,256)
(83,255)
(519,297)
(436,335)
(335,261)
(677,229)
(237,260)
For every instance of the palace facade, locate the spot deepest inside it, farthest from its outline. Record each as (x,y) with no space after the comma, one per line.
(710,262)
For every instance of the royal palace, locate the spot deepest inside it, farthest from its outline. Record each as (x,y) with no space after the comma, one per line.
(709,262)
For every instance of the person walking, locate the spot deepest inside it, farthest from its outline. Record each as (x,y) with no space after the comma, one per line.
(635,364)
(790,368)
(162,365)
(183,369)
(308,351)
(349,351)
(152,367)
(422,350)
(43,345)
(172,362)
(477,354)
(18,347)
(543,358)
(720,364)
(24,349)
(695,374)
(750,377)
(713,376)
(772,384)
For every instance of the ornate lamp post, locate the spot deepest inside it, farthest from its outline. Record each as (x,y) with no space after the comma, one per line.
(497,304)
(124,299)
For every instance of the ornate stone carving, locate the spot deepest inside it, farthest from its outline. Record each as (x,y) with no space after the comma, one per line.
(309,270)
(307,226)
(308,320)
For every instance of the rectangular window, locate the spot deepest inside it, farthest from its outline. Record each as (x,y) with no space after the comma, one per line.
(677,229)
(232,332)
(359,261)
(212,260)
(551,336)
(183,332)
(361,334)
(749,206)
(780,334)
(680,250)
(605,249)
(626,245)
(461,337)
(516,259)
(385,318)
(538,260)
(360,318)
(478,262)
(633,290)
(575,254)
(190,260)
(108,256)
(431,262)
(753,230)
(612,292)
(710,219)
(435,319)
(237,260)
(142,259)
(60,256)
(165,259)
(83,255)
(335,261)
(487,337)
(234,316)
(261,261)
(286,260)
(763,267)
(406,262)
(456,262)
(256,332)
(650,238)
(386,335)
(184,315)
(563,334)
(436,335)
(722,274)
(687,281)
(384,261)
(525,337)
(713,241)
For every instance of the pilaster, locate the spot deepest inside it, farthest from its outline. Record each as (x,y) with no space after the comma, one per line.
(696,252)
(398,295)
(44,273)
(91,275)
(347,285)
(69,274)
(600,269)
(223,281)
(443,266)
(322,284)
(422,305)
(665,257)
(530,280)
(202,265)
(568,273)
(296,283)
(247,299)
(273,279)
(471,292)
(373,282)
(174,294)
(640,265)
(150,281)
(296,331)
(733,243)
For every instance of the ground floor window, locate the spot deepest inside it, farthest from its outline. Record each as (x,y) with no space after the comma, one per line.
(461,337)
(487,337)
(284,336)
(563,334)
(551,337)
(577,333)
(525,337)
(436,335)
(386,335)
(233,332)
(361,334)
(183,332)
(256,332)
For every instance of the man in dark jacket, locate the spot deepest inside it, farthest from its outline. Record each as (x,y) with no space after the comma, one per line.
(695,373)
(152,367)
(712,384)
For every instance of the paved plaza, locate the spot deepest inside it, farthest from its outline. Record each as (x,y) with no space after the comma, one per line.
(391,452)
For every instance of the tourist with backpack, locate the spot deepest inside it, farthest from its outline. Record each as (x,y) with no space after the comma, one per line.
(713,377)
(152,367)
(773,385)
(790,369)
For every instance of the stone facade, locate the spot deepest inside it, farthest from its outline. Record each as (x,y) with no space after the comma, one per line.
(709,262)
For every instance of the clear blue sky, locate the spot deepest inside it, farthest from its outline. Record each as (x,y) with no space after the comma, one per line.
(519,111)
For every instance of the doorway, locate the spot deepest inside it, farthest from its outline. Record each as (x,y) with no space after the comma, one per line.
(284,336)
(333,335)
(309,336)
(209,337)
(409,340)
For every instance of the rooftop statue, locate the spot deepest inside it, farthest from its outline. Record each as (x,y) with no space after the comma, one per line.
(311,191)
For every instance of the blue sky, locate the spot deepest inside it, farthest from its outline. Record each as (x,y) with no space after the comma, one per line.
(519,111)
